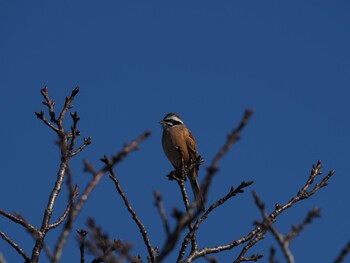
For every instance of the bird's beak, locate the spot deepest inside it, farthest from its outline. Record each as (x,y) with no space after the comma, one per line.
(163,123)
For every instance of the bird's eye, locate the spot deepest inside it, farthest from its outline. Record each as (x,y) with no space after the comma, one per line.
(175,122)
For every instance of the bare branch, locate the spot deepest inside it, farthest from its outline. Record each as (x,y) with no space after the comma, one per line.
(40,115)
(257,233)
(67,106)
(345,251)
(231,139)
(269,225)
(49,103)
(151,251)
(315,212)
(64,166)
(272,255)
(202,252)
(19,220)
(48,211)
(15,246)
(183,219)
(254,257)
(97,176)
(103,248)
(82,233)
(69,206)
(251,243)
(302,194)
(161,210)
(87,141)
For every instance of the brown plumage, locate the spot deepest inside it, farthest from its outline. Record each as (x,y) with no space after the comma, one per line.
(176,134)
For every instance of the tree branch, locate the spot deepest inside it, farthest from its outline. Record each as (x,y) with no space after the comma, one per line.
(69,206)
(21,221)
(15,246)
(161,210)
(231,139)
(96,177)
(345,251)
(151,251)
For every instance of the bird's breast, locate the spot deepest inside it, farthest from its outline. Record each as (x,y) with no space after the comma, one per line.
(171,140)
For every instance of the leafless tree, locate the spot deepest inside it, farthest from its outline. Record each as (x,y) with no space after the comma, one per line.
(104,249)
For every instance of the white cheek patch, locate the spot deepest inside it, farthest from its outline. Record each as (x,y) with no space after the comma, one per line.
(169,124)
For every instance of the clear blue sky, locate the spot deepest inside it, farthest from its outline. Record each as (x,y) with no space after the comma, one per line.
(135,61)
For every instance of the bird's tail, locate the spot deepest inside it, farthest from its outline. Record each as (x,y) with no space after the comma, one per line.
(196,190)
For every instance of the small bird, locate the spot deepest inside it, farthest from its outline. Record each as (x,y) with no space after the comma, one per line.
(177,135)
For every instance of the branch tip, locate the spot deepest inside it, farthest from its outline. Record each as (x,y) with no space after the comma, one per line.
(75,91)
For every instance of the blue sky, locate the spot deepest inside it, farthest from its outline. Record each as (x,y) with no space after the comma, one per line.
(136,61)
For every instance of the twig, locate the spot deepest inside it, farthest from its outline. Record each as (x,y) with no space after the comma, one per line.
(303,193)
(56,124)
(269,225)
(183,220)
(315,212)
(202,252)
(161,210)
(67,106)
(15,246)
(102,247)
(82,234)
(272,255)
(69,206)
(345,251)
(257,233)
(40,115)
(211,259)
(48,211)
(19,220)
(231,139)
(87,141)
(254,257)
(151,250)
(251,243)
(97,176)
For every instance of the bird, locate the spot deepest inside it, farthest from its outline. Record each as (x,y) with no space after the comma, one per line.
(177,136)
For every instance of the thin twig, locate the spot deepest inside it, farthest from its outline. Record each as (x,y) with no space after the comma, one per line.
(231,139)
(103,248)
(315,212)
(82,234)
(272,255)
(15,246)
(57,126)
(251,243)
(344,252)
(198,253)
(182,221)
(69,206)
(302,194)
(19,220)
(151,250)
(161,210)
(87,141)
(97,176)
(269,225)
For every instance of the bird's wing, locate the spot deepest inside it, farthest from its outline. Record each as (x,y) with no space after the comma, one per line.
(192,146)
